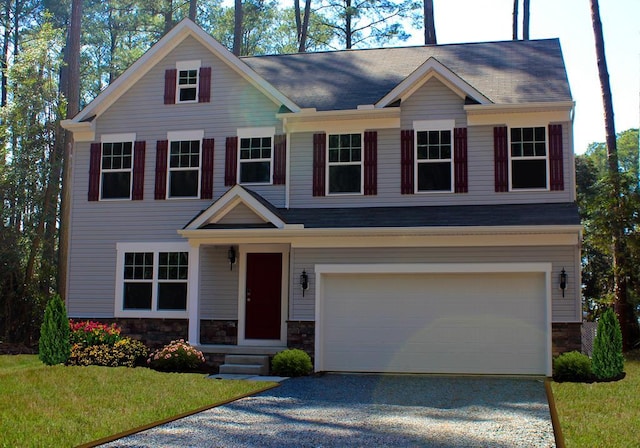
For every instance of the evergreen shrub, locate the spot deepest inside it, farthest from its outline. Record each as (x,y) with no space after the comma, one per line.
(607,361)
(292,362)
(54,347)
(572,366)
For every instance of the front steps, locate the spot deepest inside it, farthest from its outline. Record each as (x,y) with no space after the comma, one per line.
(245,365)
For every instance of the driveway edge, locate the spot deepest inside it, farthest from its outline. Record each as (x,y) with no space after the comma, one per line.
(555,420)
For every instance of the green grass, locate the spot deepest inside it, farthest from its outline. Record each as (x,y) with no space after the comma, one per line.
(601,414)
(62,406)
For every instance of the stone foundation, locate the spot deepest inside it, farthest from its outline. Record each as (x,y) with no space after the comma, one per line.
(566,337)
(155,333)
(222,332)
(301,335)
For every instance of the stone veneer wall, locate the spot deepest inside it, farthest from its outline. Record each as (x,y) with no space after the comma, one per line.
(155,333)
(566,337)
(301,335)
(224,332)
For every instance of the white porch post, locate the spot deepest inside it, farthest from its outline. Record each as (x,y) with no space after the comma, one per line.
(194,295)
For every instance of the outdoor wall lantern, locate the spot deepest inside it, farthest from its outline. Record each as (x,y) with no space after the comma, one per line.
(304,281)
(231,256)
(563,281)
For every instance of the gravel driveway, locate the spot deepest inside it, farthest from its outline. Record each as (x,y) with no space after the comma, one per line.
(370,411)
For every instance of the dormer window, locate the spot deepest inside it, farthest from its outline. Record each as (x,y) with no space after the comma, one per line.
(187,87)
(528,158)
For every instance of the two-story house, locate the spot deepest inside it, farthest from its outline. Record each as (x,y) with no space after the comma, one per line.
(387,210)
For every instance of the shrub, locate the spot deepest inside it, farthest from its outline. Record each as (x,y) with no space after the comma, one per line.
(572,366)
(93,333)
(177,356)
(292,362)
(608,362)
(126,352)
(54,347)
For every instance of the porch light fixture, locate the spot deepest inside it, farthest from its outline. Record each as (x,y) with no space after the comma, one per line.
(563,281)
(231,256)
(304,281)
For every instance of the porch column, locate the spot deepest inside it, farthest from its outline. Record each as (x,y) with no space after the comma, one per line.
(193,304)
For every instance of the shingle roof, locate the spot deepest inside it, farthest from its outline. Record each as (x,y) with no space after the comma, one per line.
(509,72)
(436,216)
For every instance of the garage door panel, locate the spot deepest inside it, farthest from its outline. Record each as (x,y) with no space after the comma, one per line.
(434,323)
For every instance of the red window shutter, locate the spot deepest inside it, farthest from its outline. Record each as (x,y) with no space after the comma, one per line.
(206,180)
(162,146)
(231,162)
(280,159)
(460,160)
(556,171)
(170,76)
(204,85)
(406,161)
(95,157)
(139,149)
(370,163)
(319,163)
(501,159)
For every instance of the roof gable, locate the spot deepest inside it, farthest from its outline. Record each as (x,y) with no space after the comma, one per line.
(161,49)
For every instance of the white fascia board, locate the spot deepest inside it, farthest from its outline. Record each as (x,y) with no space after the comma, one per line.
(83,131)
(158,51)
(226,203)
(528,114)
(432,67)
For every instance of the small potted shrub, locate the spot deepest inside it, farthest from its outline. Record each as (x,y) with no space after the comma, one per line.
(178,356)
(292,362)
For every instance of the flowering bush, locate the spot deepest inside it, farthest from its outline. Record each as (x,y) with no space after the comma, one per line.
(126,352)
(175,357)
(93,333)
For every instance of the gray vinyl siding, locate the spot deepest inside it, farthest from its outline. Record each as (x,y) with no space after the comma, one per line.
(564,309)
(241,214)
(96,227)
(433,101)
(218,284)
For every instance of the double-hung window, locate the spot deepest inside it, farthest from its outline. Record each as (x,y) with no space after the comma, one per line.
(184,164)
(434,155)
(345,163)
(256,155)
(187,81)
(116,166)
(152,279)
(528,158)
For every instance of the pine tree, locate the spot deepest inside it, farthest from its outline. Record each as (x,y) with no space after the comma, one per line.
(54,346)
(607,361)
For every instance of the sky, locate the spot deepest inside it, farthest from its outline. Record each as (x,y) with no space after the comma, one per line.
(459,21)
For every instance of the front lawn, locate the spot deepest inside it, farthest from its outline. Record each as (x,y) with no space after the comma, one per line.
(601,414)
(67,406)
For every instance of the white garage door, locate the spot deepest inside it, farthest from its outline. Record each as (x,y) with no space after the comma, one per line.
(490,323)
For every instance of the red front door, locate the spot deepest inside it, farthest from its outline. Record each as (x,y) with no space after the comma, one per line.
(263,296)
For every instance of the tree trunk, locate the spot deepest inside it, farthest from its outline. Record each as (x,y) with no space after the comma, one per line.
(237,27)
(623,309)
(429,24)
(193,9)
(525,20)
(304,29)
(514,24)
(348,38)
(168,16)
(4,57)
(72,56)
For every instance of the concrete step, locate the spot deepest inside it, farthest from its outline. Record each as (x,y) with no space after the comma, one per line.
(246,359)
(244,369)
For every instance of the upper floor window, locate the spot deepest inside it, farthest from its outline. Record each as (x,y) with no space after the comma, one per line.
(434,155)
(152,278)
(184,164)
(345,163)
(528,158)
(256,153)
(187,79)
(116,166)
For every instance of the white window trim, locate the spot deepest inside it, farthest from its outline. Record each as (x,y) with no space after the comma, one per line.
(546,158)
(329,164)
(188,65)
(155,248)
(176,136)
(432,125)
(118,138)
(258,132)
